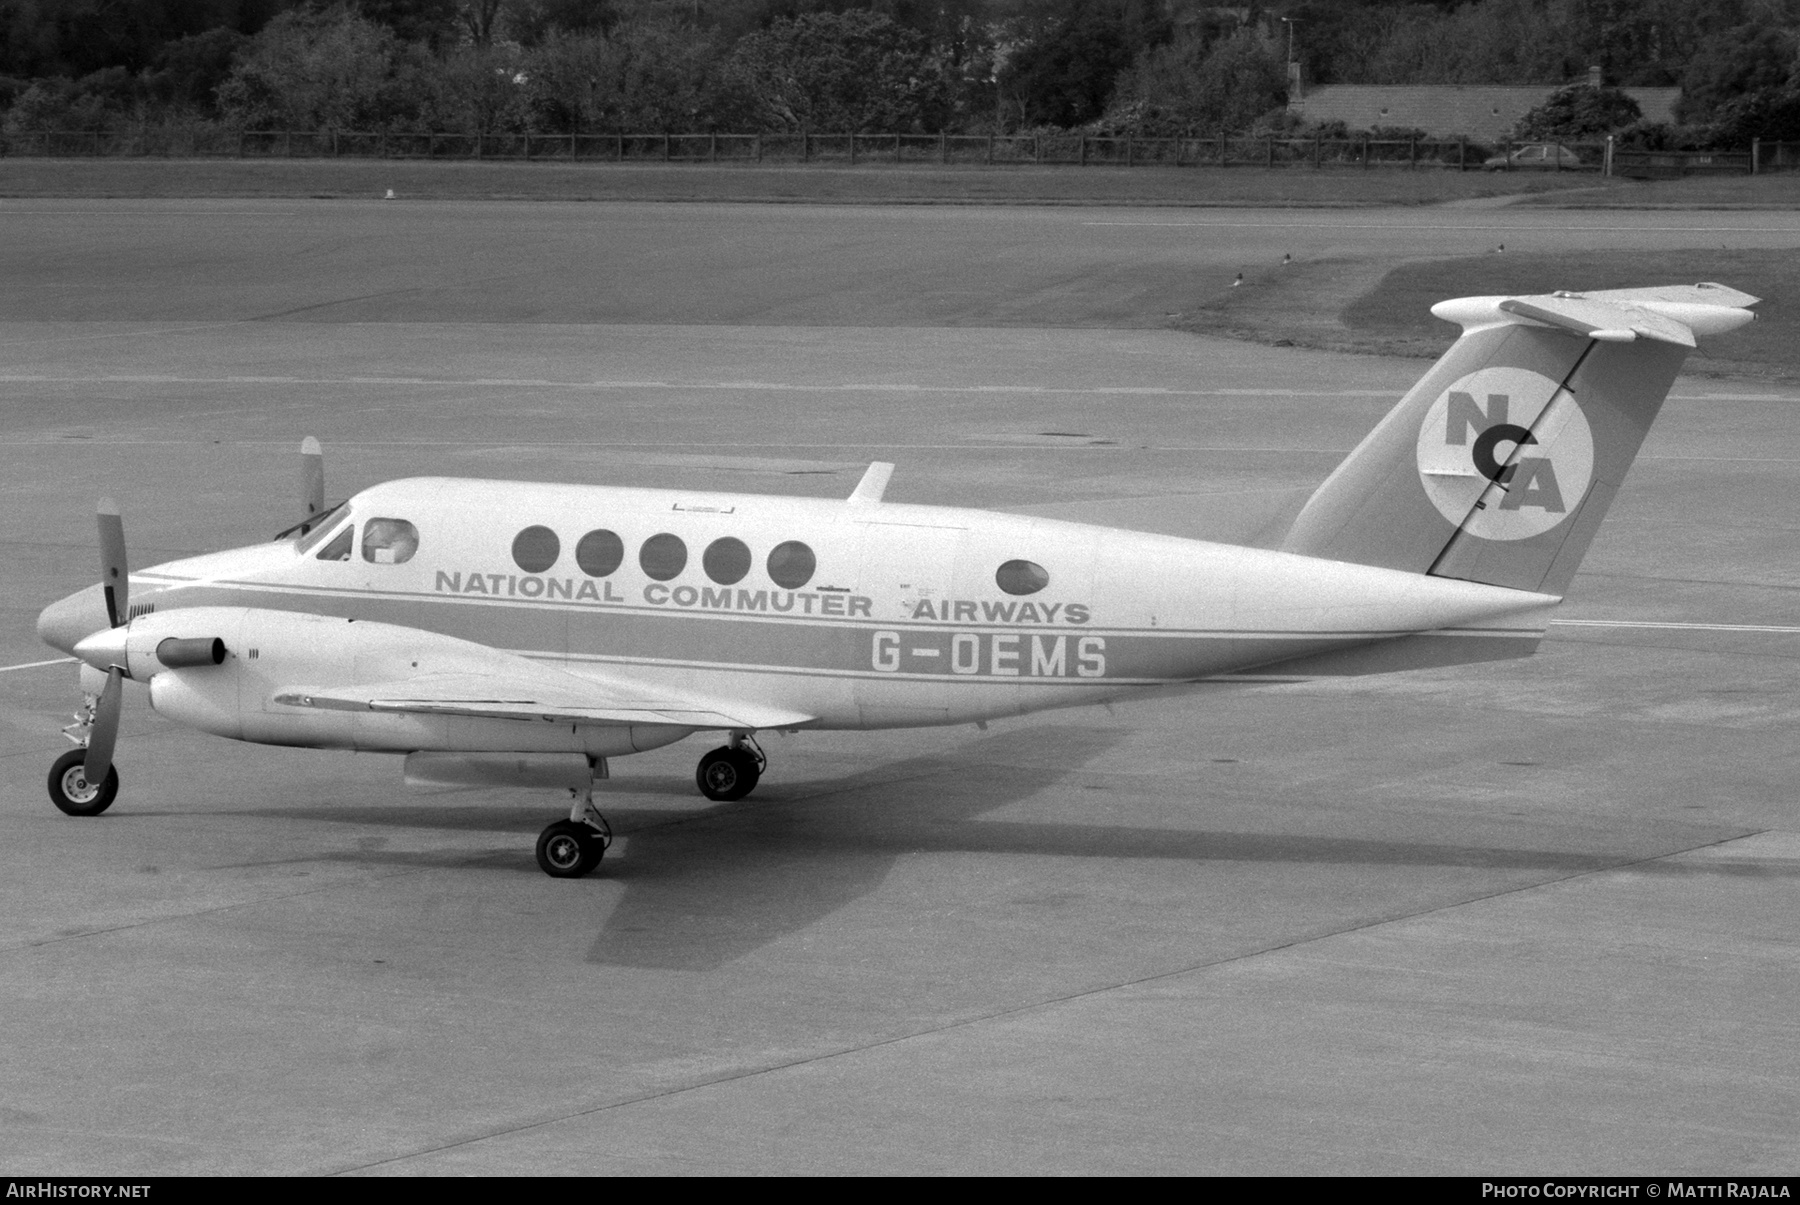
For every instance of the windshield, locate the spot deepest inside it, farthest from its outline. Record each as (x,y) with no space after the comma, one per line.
(316,529)
(310,524)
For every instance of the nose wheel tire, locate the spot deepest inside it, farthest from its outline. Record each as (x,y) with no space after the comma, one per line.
(70,790)
(726,774)
(567,850)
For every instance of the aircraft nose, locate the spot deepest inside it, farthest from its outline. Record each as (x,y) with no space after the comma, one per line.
(68,621)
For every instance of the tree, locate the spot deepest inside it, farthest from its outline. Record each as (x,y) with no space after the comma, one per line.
(1064,71)
(1579,111)
(850,71)
(311,69)
(1188,87)
(1732,64)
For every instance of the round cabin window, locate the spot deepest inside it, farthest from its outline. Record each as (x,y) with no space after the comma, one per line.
(1021,577)
(726,561)
(663,556)
(535,549)
(791,565)
(599,553)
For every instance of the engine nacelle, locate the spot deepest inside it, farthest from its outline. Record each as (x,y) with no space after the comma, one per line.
(263,654)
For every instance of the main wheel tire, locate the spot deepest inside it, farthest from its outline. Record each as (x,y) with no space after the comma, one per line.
(727,774)
(567,850)
(70,790)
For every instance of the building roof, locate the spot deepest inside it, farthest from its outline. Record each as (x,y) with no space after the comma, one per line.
(1485,111)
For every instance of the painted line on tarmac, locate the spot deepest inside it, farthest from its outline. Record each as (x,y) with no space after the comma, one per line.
(1412,227)
(1675,627)
(7,669)
(733,386)
(754,386)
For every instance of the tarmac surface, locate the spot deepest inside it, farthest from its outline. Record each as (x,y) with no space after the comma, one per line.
(1536,917)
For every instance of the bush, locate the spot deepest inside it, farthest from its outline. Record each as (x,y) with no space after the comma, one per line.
(1578,111)
(1772,114)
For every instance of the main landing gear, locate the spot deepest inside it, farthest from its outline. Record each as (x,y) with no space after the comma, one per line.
(731,771)
(571,848)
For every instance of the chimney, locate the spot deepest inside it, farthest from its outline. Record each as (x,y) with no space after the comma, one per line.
(1594,77)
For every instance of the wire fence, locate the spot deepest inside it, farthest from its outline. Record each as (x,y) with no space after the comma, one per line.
(1071,150)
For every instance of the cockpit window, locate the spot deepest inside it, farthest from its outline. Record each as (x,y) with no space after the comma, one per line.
(389,541)
(339,548)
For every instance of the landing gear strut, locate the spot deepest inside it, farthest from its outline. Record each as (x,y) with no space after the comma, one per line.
(731,771)
(70,790)
(571,848)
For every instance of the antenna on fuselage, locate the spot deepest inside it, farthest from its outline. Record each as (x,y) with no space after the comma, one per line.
(873,484)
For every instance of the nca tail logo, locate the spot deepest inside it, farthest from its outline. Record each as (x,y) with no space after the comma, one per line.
(1505,454)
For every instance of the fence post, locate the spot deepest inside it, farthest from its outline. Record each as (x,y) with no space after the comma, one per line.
(1606,168)
(1081,155)
(852,148)
(757,146)
(1755,154)
(943,146)
(1128,150)
(1365,152)
(1462,153)
(990,148)
(805,147)
(1317,142)
(667,152)
(1413,161)
(897,156)
(1269,151)
(242,135)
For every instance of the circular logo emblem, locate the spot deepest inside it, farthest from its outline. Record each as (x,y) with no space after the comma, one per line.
(1505,454)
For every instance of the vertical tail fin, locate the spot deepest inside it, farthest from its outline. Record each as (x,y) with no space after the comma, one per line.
(1499,464)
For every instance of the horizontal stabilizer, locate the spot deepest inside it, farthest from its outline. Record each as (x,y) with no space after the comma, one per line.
(1600,320)
(1666,314)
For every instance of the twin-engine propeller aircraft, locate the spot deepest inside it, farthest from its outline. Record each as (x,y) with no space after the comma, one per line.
(507,633)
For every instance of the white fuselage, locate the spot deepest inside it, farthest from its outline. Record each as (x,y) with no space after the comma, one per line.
(899,620)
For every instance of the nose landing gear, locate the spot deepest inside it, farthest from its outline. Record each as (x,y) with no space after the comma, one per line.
(70,790)
(731,771)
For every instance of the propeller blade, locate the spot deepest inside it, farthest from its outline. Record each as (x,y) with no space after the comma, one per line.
(105,732)
(115,577)
(312,477)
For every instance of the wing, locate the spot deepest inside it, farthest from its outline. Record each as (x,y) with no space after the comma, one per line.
(527,691)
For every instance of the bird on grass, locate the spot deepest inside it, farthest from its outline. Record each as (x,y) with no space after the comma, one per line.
(1238,281)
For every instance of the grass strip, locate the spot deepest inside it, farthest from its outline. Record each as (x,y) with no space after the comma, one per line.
(872,184)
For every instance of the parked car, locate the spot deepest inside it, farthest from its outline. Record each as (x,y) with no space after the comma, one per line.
(1538,156)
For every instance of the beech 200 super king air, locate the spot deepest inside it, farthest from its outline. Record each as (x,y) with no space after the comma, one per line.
(506,633)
